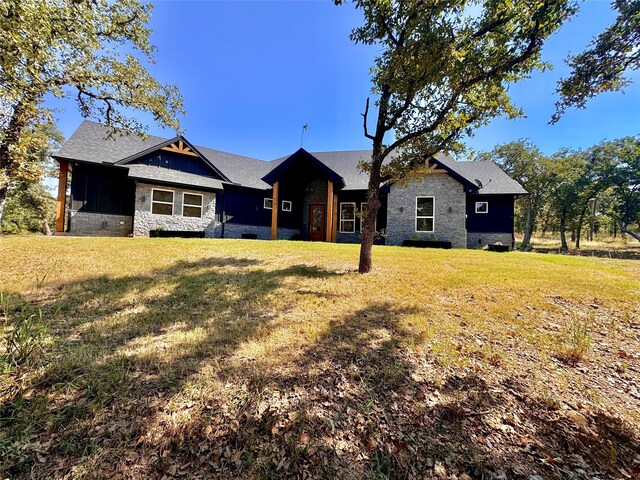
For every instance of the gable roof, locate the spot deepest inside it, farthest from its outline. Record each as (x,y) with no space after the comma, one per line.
(486,177)
(89,144)
(301,156)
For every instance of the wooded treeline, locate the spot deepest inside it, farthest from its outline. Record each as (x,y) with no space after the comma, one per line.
(576,193)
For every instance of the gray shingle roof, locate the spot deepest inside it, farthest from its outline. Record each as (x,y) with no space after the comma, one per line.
(173,177)
(493,179)
(89,144)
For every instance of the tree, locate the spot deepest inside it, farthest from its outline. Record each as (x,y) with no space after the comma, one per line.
(603,66)
(567,169)
(443,70)
(29,208)
(523,161)
(625,181)
(88,50)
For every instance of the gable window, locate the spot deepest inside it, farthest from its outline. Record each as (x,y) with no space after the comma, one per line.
(268,203)
(482,207)
(363,210)
(425,214)
(161,201)
(192,205)
(286,206)
(348,217)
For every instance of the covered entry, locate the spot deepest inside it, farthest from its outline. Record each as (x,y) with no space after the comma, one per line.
(305,197)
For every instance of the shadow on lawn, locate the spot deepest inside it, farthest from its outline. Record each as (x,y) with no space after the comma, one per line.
(122,342)
(355,403)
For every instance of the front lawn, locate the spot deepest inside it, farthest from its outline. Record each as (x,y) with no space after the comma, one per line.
(185,358)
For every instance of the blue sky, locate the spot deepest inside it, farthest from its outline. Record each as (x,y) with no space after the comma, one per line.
(252,73)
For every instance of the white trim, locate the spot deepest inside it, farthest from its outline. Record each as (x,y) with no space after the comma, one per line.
(201,206)
(375,224)
(290,205)
(348,219)
(479,203)
(173,197)
(432,217)
(264,203)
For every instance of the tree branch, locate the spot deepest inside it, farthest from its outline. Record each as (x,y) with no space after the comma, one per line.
(364,117)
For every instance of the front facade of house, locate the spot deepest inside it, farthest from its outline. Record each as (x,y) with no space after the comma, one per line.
(128,186)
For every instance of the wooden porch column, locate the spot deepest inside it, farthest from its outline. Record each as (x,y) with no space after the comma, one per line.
(62,196)
(329,213)
(334,229)
(274,213)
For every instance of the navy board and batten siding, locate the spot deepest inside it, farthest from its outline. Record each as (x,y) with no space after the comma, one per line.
(174,161)
(241,212)
(101,201)
(494,226)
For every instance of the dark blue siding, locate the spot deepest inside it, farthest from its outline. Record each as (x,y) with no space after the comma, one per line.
(499,219)
(97,189)
(243,206)
(173,161)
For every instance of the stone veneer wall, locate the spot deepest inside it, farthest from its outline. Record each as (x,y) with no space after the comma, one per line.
(144,220)
(100,224)
(482,239)
(450,210)
(235,230)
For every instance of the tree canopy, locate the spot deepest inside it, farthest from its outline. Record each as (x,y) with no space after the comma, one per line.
(90,50)
(443,70)
(603,67)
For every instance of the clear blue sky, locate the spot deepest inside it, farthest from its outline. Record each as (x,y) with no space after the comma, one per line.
(252,73)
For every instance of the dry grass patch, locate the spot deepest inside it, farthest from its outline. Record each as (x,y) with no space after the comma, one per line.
(248,359)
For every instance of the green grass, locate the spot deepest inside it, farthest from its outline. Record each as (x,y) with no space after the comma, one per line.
(269,359)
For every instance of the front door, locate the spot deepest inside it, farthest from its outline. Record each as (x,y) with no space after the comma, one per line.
(316,223)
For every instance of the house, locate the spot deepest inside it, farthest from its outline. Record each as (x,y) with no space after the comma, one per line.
(127,185)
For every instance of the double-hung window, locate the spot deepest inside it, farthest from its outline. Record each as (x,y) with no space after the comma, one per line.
(286,205)
(348,217)
(268,203)
(425,213)
(192,205)
(162,201)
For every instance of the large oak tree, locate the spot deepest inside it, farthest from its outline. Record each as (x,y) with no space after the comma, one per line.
(443,69)
(93,51)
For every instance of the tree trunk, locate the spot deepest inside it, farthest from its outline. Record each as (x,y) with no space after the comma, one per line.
(579,227)
(373,205)
(528,226)
(563,233)
(3,197)
(624,229)
(592,227)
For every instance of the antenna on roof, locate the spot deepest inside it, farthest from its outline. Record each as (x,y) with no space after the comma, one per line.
(478,182)
(304,128)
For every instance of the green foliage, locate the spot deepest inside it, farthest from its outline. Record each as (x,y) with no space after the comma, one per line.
(524,162)
(89,50)
(602,67)
(29,209)
(444,69)
(599,185)
(22,333)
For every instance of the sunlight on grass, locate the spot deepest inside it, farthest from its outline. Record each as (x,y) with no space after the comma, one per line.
(172,339)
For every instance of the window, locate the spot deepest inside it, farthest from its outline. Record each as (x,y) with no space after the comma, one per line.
(482,207)
(348,217)
(268,203)
(425,214)
(363,208)
(192,205)
(286,206)
(161,201)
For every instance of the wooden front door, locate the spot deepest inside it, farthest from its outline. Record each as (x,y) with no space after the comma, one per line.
(316,223)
